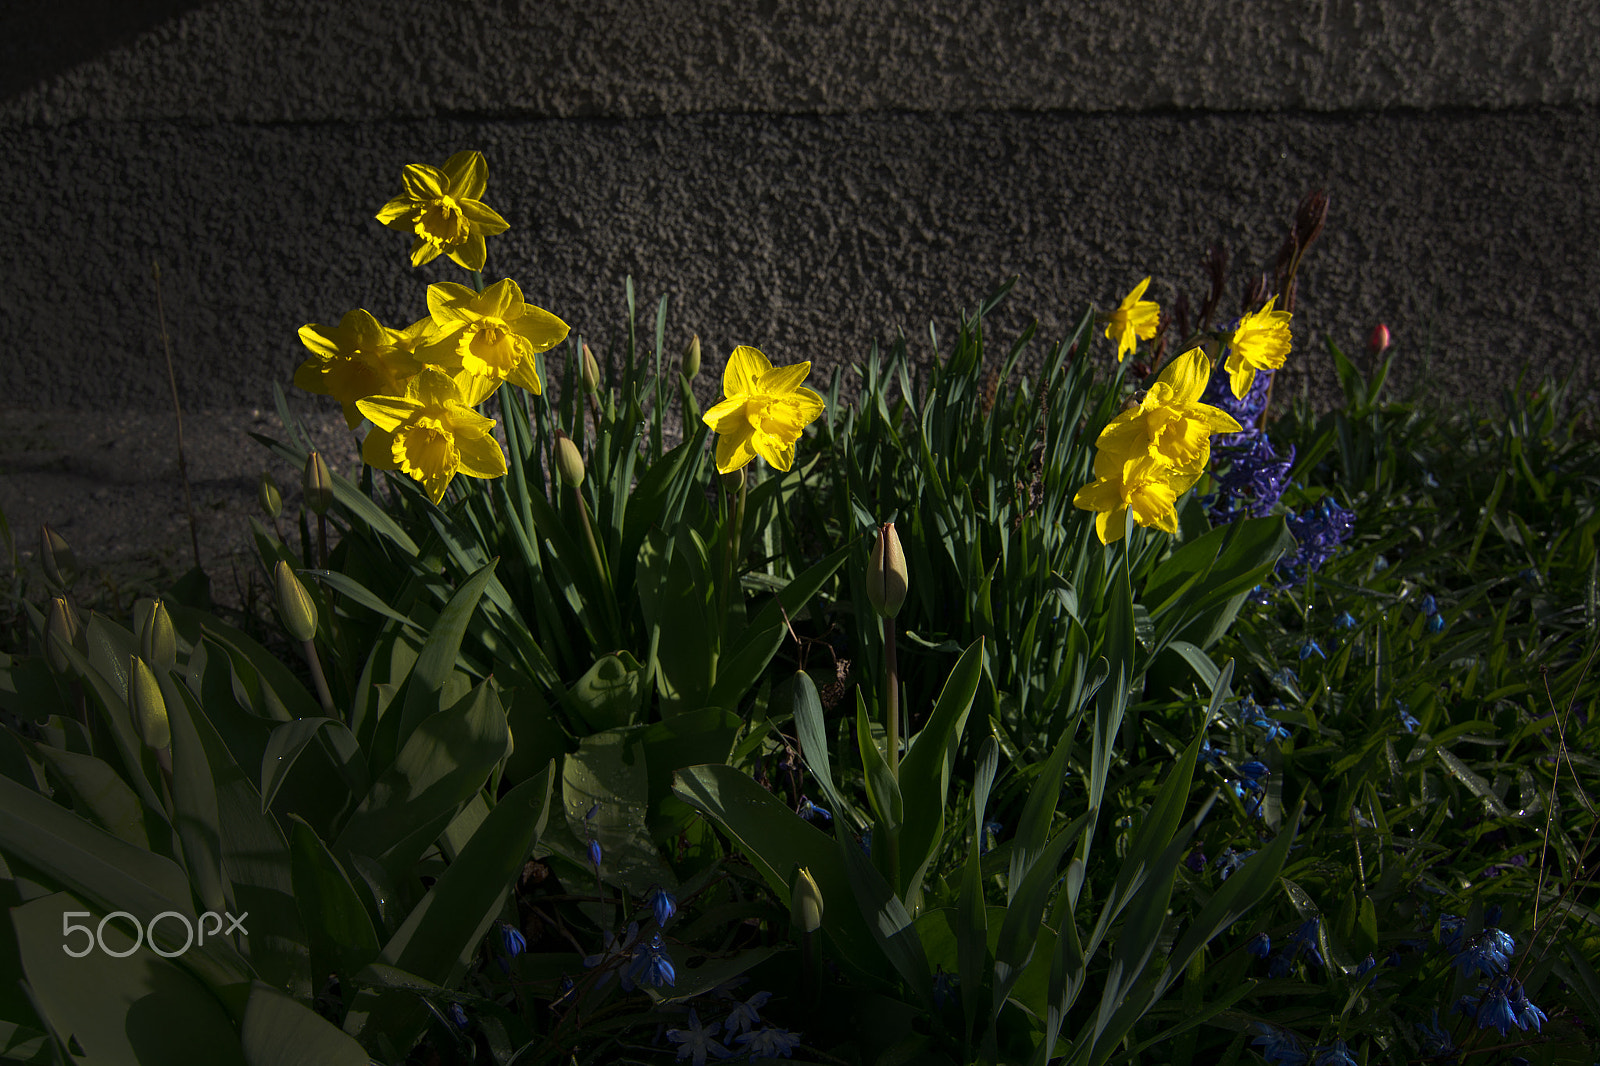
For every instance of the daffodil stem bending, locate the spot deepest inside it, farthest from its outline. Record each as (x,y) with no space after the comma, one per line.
(320,679)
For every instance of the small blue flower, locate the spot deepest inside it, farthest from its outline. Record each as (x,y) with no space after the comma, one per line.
(595,854)
(1275,731)
(512,944)
(1259,945)
(458,1016)
(991,837)
(1195,861)
(811,812)
(1310,648)
(1210,756)
(1436,1040)
(1304,939)
(1495,1011)
(769,1043)
(1279,1046)
(616,951)
(696,1042)
(663,904)
(943,988)
(1429,605)
(1229,861)
(1366,965)
(1450,928)
(1407,719)
(747,1015)
(1435,623)
(1255,770)
(1346,620)
(1489,953)
(1335,1054)
(652,965)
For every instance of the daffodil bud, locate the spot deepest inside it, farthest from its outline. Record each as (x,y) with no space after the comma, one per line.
(691,357)
(60,565)
(886,573)
(60,630)
(590,374)
(568,460)
(805,902)
(318,484)
(295,606)
(268,496)
(733,481)
(148,706)
(158,641)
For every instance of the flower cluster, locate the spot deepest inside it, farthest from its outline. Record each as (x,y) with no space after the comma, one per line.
(420,386)
(1318,532)
(1154,451)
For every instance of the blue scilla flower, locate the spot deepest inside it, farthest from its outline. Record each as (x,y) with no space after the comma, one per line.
(747,1015)
(1435,623)
(1436,1039)
(1334,1054)
(1304,940)
(1310,648)
(769,1043)
(1346,620)
(1429,605)
(1450,928)
(595,854)
(512,944)
(1259,945)
(1495,1012)
(1279,1046)
(1407,719)
(1255,769)
(1210,756)
(697,1041)
(991,837)
(617,950)
(663,904)
(1489,953)
(1275,730)
(652,965)
(811,812)
(1230,861)
(458,1016)
(943,988)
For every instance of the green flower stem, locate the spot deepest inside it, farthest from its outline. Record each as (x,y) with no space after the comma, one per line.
(891,703)
(613,619)
(324,697)
(730,568)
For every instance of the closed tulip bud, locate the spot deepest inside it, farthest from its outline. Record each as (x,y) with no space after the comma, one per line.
(318,484)
(60,631)
(805,902)
(1379,339)
(568,460)
(158,641)
(295,607)
(148,706)
(691,357)
(590,374)
(886,573)
(60,565)
(268,496)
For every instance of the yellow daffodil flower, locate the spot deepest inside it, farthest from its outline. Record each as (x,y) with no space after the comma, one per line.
(764,412)
(1261,342)
(1134,320)
(1170,422)
(492,335)
(444,210)
(1148,486)
(355,359)
(432,432)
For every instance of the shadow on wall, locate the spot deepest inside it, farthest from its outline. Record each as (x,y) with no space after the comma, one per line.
(40,39)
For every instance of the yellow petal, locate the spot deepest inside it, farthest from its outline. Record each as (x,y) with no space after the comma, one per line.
(470,254)
(1111,525)
(502,300)
(525,375)
(481,456)
(542,329)
(423,182)
(450,304)
(377,450)
(386,412)
(783,379)
(423,251)
(398,214)
(778,453)
(1241,375)
(1138,291)
(466,175)
(1187,375)
(724,410)
(744,370)
(484,219)
(733,451)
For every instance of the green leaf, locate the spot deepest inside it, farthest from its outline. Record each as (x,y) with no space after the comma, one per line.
(776,840)
(194,800)
(97,792)
(339,929)
(290,740)
(886,917)
(444,763)
(611,693)
(810,728)
(609,772)
(426,692)
(925,771)
(439,937)
(278,1031)
(142,1010)
(883,792)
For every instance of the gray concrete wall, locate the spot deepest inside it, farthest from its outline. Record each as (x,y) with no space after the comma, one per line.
(799,177)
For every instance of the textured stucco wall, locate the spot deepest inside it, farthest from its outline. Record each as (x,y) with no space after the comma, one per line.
(800,177)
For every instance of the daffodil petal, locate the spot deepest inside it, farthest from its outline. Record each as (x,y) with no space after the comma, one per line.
(387,412)
(377,450)
(744,370)
(783,379)
(1187,376)
(778,453)
(1111,525)
(525,375)
(502,300)
(733,452)
(1241,375)
(398,214)
(471,253)
(484,218)
(481,456)
(423,182)
(466,175)
(541,329)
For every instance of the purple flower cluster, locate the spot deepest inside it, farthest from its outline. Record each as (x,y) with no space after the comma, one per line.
(1318,532)
(1246,411)
(1250,476)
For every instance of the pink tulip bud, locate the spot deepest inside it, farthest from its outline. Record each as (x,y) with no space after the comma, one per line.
(1379,339)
